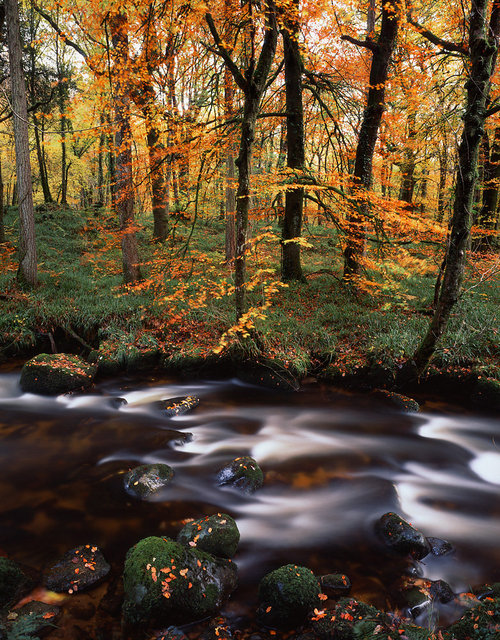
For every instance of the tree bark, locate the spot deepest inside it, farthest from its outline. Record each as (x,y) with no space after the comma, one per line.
(291,268)
(483,44)
(408,165)
(488,214)
(123,143)
(368,134)
(2,226)
(27,270)
(443,174)
(230,191)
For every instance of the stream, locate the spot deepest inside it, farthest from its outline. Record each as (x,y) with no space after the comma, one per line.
(333,463)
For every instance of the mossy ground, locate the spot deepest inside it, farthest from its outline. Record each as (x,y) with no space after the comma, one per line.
(185,303)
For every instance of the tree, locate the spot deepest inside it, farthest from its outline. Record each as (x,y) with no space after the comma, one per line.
(27,270)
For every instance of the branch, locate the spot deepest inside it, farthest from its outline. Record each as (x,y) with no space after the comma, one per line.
(367,44)
(33,107)
(444,44)
(268,48)
(221,51)
(61,33)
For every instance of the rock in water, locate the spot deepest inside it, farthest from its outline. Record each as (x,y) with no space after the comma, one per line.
(335,583)
(78,569)
(51,374)
(439,547)
(37,616)
(216,534)
(167,582)
(13,582)
(400,536)
(179,406)
(287,595)
(243,473)
(145,480)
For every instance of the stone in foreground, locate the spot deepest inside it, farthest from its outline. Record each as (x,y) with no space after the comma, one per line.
(243,473)
(287,596)
(13,582)
(52,374)
(179,406)
(147,479)
(79,569)
(400,536)
(216,534)
(167,582)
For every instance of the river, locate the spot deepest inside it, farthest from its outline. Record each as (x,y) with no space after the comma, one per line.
(333,464)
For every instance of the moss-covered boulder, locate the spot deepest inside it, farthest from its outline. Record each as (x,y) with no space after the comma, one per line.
(401,537)
(125,352)
(217,534)
(350,620)
(13,582)
(51,374)
(396,400)
(287,596)
(147,479)
(243,473)
(335,584)
(479,623)
(32,619)
(486,393)
(167,582)
(79,568)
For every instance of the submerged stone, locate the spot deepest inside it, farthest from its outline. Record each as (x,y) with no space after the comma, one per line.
(217,534)
(13,582)
(179,406)
(52,374)
(167,582)
(335,583)
(439,547)
(441,590)
(243,473)
(35,616)
(287,595)
(400,536)
(171,633)
(396,400)
(147,479)
(78,569)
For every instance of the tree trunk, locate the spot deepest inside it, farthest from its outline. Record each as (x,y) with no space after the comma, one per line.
(443,174)
(61,101)
(482,56)
(368,134)
(123,143)
(230,207)
(27,271)
(291,268)
(488,214)
(2,227)
(100,166)
(408,165)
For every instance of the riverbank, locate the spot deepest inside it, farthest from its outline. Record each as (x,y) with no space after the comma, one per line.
(179,317)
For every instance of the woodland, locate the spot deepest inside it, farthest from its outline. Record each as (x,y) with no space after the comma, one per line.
(311,184)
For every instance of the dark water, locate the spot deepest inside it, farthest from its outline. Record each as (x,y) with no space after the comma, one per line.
(333,463)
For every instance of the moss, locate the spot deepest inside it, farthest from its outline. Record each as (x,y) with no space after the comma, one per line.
(147,479)
(243,473)
(12,582)
(217,534)
(479,623)
(56,373)
(287,595)
(165,581)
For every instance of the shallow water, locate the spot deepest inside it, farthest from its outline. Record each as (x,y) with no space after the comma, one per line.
(333,463)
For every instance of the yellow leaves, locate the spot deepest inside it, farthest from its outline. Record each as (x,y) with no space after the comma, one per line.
(300,241)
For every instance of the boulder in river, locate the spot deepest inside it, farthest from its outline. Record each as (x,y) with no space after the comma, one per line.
(178,406)
(396,400)
(32,619)
(167,582)
(147,479)
(13,582)
(351,619)
(171,633)
(78,569)
(439,547)
(217,534)
(243,473)
(287,595)
(52,374)
(400,536)
(335,583)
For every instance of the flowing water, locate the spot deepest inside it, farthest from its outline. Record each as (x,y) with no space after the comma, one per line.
(333,463)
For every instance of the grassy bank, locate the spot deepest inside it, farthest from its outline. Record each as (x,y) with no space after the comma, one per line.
(184,305)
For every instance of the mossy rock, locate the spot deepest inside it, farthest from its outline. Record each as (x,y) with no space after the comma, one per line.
(173,407)
(351,620)
(171,633)
(486,394)
(397,401)
(31,619)
(217,534)
(79,568)
(51,374)
(335,584)
(114,356)
(167,582)
(401,537)
(13,582)
(147,479)
(243,473)
(287,595)
(479,623)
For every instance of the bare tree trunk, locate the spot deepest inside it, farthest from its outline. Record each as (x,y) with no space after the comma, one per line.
(488,214)
(123,143)
(2,227)
(27,271)
(100,165)
(408,165)
(230,243)
(443,174)
(291,268)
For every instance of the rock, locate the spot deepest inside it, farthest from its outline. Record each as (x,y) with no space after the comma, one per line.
(243,473)
(486,393)
(396,400)
(287,595)
(216,534)
(179,406)
(78,569)
(400,536)
(165,581)
(13,582)
(439,547)
(31,619)
(417,601)
(145,480)
(52,374)
(349,618)
(172,633)
(335,583)
(218,630)
(441,590)
(479,623)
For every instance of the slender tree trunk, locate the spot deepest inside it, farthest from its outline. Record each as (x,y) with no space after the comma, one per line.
(61,101)
(370,18)
(123,143)
(27,271)
(2,226)
(372,117)
(483,49)
(42,165)
(291,268)
(230,206)
(100,165)
(488,214)
(443,174)
(408,165)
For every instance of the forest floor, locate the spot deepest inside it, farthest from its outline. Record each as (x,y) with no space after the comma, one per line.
(183,307)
